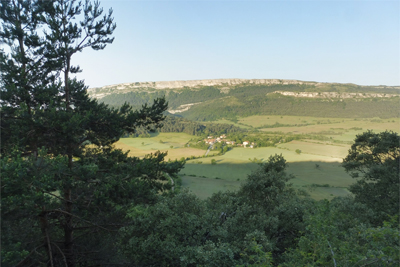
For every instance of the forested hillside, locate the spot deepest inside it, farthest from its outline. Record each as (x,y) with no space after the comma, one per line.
(207,103)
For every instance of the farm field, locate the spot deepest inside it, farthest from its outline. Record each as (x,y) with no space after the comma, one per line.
(139,147)
(338,125)
(205,187)
(260,120)
(233,167)
(375,123)
(317,168)
(329,150)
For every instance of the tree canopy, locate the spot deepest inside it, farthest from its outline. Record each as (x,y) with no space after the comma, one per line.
(374,160)
(63,182)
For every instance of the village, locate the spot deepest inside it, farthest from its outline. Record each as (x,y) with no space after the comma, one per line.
(222,139)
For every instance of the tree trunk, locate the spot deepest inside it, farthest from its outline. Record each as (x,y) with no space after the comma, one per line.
(44,225)
(68,230)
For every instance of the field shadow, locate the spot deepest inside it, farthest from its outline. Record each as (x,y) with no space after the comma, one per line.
(320,179)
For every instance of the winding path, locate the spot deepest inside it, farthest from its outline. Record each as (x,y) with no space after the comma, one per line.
(208,150)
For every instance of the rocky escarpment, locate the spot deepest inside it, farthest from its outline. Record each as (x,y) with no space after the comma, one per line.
(225,85)
(333,95)
(100,92)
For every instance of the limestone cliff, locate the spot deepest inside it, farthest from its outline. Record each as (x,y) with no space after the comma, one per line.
(165,85)
(224,85)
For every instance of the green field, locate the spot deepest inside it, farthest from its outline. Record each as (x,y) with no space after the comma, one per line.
(139,147)
(234,166)
(260,120)
(159,141)
(316,125)
(204,187)
(329,150)
(318,163)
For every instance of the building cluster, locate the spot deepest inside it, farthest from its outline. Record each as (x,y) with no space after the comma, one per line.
(222,139)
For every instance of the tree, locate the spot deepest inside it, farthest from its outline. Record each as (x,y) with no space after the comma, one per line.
(213,162)
(176,231)
(247,227)
(374,160)
(339,233)
(62,180)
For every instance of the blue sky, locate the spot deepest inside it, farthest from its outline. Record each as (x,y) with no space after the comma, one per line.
(325,41)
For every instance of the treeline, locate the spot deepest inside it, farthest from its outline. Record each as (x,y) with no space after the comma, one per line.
(271,139)
(283,105)
(181,125)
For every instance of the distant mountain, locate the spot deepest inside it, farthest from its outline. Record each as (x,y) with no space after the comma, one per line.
(227,98)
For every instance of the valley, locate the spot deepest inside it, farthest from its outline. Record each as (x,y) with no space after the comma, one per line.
(317,168)
(311,124)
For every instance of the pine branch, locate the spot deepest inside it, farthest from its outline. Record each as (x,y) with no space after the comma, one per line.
(65,260)
(22,263)
(70,214)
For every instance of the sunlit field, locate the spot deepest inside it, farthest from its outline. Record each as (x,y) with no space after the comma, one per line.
(343,129)
(260,120)
(329,150)
(139,147)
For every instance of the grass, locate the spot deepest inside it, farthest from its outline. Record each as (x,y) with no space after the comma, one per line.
(243,154)
(141,146)
(342,130)
(159,141)
(260,120)
(334,124)
(328,150)
(204,187)
(233,167)
(231,176)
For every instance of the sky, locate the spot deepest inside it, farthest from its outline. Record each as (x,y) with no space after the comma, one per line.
(324,41)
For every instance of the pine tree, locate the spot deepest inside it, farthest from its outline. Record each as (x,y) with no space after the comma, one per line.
(57,210)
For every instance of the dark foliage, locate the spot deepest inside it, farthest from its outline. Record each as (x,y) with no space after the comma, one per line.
(64,188)
(374,159)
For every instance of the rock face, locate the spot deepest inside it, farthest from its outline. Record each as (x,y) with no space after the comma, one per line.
(332,94)
(100,92)
(198,83)
(223,84)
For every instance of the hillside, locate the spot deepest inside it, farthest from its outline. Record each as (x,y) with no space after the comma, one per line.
(207,100)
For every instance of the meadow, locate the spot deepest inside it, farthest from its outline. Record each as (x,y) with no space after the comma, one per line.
(339,129)
(316,169)
(234,166)
(172,143)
